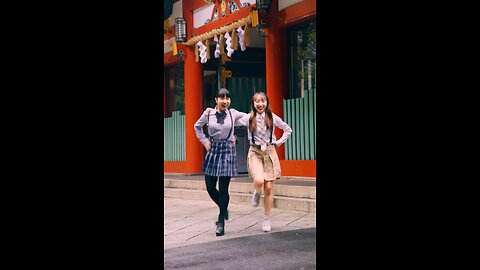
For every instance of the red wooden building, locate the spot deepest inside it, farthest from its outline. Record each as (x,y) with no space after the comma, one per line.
(237,45)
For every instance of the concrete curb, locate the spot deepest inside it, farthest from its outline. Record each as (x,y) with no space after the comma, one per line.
(295,198)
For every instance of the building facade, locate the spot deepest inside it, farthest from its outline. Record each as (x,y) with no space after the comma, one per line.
(245,48)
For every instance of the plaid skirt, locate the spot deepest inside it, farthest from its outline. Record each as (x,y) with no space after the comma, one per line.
(221,160)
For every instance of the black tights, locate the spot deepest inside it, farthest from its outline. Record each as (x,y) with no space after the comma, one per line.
(220,198)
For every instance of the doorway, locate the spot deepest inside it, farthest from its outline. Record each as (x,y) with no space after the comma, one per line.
(247,77)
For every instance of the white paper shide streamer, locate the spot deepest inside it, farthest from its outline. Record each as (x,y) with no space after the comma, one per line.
(202,52)
(217,48)
(241,38)
(228,41)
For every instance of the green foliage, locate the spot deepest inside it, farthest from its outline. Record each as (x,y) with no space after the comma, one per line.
(308,44)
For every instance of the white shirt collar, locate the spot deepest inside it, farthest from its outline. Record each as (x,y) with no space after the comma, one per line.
(262,115)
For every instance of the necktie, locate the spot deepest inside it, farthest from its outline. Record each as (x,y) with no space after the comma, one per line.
(220,117)
(261,130)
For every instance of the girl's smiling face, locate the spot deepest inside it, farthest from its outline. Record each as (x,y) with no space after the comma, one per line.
(222,103)
(260,103)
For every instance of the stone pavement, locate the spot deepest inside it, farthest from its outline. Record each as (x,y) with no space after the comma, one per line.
(188,222)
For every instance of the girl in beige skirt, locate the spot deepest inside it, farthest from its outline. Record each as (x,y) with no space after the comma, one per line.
(263,163)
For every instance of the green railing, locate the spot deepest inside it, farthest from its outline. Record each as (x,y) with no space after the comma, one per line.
(300,116)
(174,137)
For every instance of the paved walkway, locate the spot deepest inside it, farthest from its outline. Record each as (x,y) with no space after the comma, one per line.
(188,222)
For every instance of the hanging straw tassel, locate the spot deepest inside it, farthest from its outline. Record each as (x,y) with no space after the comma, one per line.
(246,34)
(207,43)
(196,53)
(254,16)
(221,41)
(234,39)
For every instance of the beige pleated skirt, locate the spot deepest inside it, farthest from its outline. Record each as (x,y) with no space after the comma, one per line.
(263,164)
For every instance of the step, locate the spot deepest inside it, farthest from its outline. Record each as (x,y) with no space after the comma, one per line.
(306,192)
(280,202)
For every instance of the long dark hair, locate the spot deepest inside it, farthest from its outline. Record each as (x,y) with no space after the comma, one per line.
(253,114)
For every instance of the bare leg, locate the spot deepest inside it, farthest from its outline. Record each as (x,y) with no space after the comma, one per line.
(257,184)
(256,171)
(268,200)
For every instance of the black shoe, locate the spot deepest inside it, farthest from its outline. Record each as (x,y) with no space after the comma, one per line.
(220,229)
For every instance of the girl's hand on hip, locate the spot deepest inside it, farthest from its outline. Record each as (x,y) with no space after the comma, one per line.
(207,145)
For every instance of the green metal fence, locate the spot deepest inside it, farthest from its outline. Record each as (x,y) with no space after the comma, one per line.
(174,137)
(300,116)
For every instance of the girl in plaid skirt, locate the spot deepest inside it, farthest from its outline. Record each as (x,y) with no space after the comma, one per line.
(263,163)
(220,161)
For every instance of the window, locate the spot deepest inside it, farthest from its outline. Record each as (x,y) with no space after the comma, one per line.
(174,85)
(303,59)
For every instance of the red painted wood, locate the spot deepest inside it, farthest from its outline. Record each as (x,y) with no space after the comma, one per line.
(193,104)
(306,168)
(297,13)
(276,70)
(229,18)
(169,59)
(174,166)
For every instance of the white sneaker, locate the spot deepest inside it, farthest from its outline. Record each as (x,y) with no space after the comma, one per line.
(266,227)
(256,198)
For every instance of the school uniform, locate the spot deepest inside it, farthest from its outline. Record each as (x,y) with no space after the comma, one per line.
(221,159)
(263,162)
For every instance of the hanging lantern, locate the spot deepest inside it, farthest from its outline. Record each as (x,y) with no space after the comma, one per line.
(260,14)
(180,30)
